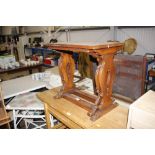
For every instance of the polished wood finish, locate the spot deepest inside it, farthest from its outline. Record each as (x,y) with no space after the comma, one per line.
(104,75)
(76,117)
(90,47)
(66,70)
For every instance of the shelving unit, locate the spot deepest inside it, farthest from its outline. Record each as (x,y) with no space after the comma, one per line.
(42,51)
(4,52)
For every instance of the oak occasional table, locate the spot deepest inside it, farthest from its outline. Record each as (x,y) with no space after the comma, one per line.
(75,117)
(98,105)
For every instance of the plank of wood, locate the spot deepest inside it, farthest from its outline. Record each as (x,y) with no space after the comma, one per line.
(59,126)
(65,120)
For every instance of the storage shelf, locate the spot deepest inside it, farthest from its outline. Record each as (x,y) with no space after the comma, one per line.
(43,52)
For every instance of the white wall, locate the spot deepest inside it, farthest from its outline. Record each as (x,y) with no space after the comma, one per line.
(30,29)
(87,36)
(78,36)
(145,37)
(7,30)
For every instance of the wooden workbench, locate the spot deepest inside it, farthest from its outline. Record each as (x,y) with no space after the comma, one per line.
(76,117)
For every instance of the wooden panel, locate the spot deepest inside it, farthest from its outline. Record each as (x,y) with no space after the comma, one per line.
(130,75)
(59,126)
(68,122)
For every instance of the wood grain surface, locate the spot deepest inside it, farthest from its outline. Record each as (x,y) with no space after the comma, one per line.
(74,116)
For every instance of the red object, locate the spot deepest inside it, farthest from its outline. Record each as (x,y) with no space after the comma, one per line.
(47,61)
(35,58)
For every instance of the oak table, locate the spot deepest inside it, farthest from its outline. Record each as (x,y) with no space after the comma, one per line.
(96,106)
(75,117)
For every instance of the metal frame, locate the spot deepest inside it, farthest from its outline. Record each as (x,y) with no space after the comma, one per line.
(26,116)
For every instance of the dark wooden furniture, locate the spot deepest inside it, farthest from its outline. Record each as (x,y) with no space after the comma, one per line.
(129,82)
(95,105)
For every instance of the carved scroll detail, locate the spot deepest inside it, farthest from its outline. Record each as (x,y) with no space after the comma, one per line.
(104,80)
(66,70)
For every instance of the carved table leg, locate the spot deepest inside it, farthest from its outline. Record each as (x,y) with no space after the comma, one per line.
(104,80)
(66,70)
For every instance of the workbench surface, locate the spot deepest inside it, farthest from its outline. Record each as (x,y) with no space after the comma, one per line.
(74,116)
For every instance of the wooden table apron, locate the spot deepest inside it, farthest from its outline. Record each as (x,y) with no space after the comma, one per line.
(104,76)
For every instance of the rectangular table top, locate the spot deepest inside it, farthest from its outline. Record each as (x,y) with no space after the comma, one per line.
(116,118)
(85,47)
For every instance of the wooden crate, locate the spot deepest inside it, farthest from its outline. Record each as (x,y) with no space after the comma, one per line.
(142,112)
